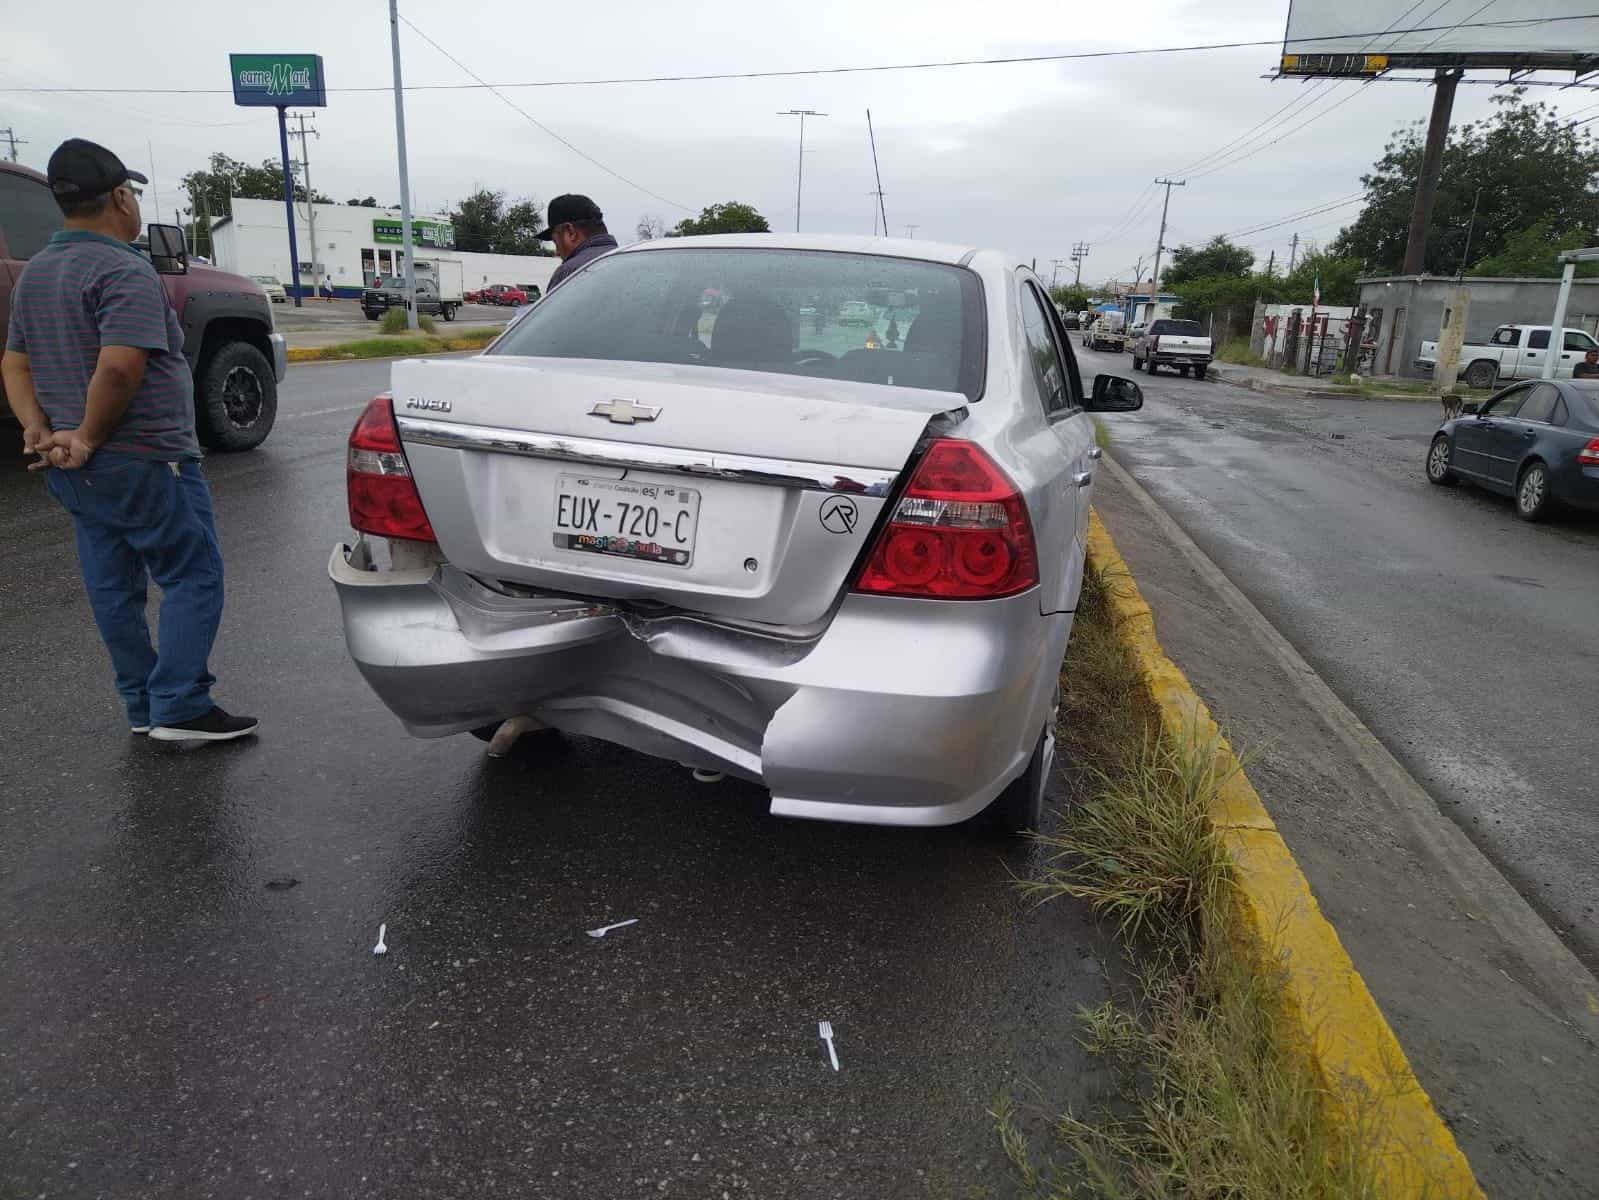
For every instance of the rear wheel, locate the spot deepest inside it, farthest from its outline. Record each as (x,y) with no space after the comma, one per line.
(1482,374)
(448,312)
(1020,807)
(1183,371)
(1438,455)
(1199,371)
(236,397)
(1533,499)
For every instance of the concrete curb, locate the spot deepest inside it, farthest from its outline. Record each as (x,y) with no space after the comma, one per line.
(335,352)
(1328,1012)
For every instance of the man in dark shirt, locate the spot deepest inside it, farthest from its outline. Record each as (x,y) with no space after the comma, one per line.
(1588,368)
(577,227)
(94,369)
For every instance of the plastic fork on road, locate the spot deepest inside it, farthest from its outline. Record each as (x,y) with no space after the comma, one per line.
(824,1030)
(605,929)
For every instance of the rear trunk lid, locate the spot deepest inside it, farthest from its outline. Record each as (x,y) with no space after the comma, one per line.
(738,494)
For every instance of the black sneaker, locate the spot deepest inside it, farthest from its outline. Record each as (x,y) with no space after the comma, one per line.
(214,726)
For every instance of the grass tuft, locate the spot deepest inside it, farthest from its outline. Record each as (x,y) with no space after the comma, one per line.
(394,321)
(1236,350)
(1212,1105)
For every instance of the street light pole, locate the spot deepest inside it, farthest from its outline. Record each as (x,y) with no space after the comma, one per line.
(405,174)
(799,180)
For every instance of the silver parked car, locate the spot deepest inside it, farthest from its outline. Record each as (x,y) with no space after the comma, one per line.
(742,541)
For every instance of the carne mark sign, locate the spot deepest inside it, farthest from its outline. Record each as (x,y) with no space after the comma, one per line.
(278,80)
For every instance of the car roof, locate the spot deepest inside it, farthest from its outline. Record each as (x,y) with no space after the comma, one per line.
(927,251)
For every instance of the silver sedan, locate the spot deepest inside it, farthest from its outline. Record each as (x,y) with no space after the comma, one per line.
(806,510)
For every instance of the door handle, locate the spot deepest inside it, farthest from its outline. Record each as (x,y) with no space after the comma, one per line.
(1096,453)
(1083,478)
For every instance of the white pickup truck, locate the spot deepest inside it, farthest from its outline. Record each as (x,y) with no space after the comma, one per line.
(1172,343)
(1513,352)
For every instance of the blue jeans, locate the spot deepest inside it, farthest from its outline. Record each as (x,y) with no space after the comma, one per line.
(138,519)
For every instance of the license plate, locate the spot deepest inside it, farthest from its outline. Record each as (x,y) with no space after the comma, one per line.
(648,521)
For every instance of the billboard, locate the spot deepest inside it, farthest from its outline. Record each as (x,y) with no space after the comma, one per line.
(278,80)
(1364,37)
(424,232)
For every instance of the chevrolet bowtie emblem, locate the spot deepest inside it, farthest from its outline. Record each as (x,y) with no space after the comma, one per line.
(625,412)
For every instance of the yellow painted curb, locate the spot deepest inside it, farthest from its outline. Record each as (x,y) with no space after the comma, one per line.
(1329,1014)
(300,354)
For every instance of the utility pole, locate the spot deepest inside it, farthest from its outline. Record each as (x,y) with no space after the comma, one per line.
(1293,253)
(1432,158)
(1270,263)
(11,137)
(876,173)
(801,113)
(1079,252)
(1160,244)
(310,195)
(1054,275)
(876,208)
(910,230)
(405,174)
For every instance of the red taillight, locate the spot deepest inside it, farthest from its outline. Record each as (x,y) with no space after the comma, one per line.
(383,496)
(960,532)
(1588,456)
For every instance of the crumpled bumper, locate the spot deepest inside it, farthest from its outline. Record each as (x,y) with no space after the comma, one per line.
(900,712)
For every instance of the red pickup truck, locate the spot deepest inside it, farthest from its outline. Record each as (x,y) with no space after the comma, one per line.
(238,359)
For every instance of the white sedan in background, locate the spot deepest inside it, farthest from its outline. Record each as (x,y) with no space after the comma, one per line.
(741,541)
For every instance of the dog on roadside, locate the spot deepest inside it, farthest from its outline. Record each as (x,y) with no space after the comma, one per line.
(1452,403)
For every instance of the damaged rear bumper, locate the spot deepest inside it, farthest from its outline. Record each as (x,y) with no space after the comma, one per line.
(899,712)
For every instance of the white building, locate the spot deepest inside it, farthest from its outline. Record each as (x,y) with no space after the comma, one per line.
(354,245)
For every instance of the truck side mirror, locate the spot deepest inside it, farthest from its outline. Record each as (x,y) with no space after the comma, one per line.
(168,252)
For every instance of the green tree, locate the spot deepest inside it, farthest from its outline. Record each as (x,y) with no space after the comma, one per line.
(211,191)
(1216,257)
(732,217)
(369,202)
(1522,165)
(1338,274)
(486,224)
(1071,297)
(1534,252)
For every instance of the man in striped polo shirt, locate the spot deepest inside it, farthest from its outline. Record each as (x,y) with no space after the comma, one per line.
(94,369)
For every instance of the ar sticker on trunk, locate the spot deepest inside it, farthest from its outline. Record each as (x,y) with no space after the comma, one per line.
(839,514)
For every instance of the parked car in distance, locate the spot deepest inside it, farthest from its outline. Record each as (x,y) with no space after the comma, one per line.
(1068,320)
(237,357)
(1535,442)
(744,544)
(532,291)
(1513,352)
(273,287)
(503,294)
(1169,342)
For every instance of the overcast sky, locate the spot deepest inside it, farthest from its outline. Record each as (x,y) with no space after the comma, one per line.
(1029,157)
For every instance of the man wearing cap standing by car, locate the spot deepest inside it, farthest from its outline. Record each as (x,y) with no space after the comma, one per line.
(94,369)
(577,227)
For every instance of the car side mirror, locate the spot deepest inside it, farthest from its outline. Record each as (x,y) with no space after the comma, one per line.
(1112,393)
(1471,407)
(168,252)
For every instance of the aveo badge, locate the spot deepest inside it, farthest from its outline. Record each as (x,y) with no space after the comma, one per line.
(424,405)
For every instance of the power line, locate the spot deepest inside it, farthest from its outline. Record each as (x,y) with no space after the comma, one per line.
(1311,212)
(537,124)
(1076,56)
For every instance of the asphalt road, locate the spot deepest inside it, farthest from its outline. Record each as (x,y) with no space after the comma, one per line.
(1465,639)
(189,1004)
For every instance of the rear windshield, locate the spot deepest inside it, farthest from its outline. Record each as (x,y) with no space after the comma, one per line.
(1183,328)
(859,317)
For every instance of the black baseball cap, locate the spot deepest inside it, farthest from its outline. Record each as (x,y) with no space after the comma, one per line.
(570,207)
(82,170)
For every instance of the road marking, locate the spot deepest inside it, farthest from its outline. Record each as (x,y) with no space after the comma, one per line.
(321,412)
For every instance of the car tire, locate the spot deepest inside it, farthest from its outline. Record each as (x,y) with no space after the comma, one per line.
(1482,374)
(1020,807)
(448,312)
(1534,501)
(1439,473)
(1199,372)
(1183,371)
(236,398)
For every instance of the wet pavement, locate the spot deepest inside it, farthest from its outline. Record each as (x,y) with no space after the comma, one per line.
(1464,638)
(189,1004)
